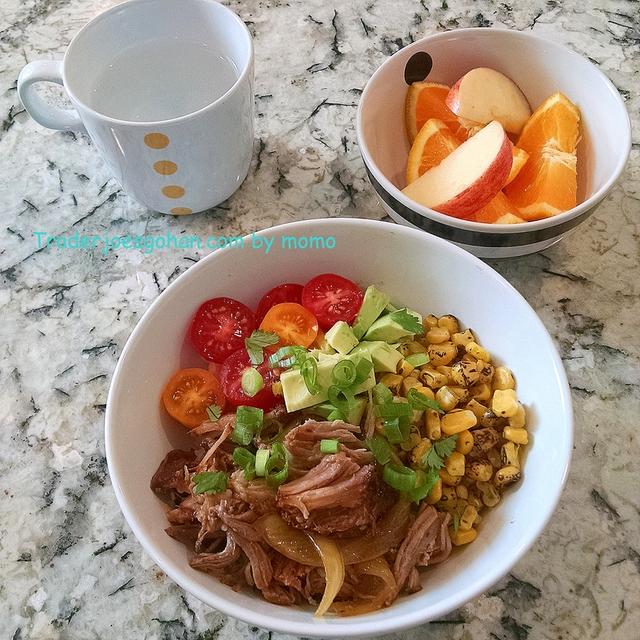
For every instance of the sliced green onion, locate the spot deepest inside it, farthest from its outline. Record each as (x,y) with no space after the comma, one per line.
(399,477)
(393,410)
(309,373)
(417,359)
(214,412)
(363,370)
(286,357)
(262,457)
(421,402)
(424,483)
(344,374)
(342,399)
(210,482)
(329,446)
(337,415)
(244,459)
(380,448)
(381,394)
(397,429)
(277,467)
(248,424)
(252,382)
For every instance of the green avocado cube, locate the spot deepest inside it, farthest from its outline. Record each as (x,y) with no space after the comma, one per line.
(373,305)
(341,337)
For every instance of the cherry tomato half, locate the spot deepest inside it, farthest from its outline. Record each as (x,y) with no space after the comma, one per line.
(219,328)
(288,292)
(331,298)
(233,368)
(292,322)
(188,394)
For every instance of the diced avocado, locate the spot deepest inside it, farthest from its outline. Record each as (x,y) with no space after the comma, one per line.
(341,337)
(373,305)
(322,345)
(295,392)
(324,410)
(383,355)
(388,330)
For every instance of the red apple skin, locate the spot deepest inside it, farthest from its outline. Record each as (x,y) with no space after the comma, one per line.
(484,189)
(452,100)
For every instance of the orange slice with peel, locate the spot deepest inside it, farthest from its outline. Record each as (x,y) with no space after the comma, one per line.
(432,145)
(547,184)
(425,100)
(520,157)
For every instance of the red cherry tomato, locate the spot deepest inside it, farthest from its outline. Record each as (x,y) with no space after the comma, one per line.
(219,328)
(331,298)
(292,322)
(288,292)
(233,368)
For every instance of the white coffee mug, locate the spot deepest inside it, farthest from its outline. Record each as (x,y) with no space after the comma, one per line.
(184,162)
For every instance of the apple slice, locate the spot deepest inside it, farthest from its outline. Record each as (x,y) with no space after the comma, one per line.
(469,177)
(483,95)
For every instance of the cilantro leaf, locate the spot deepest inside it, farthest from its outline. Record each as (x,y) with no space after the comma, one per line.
(407,321)
(421,402)
(214,412)
(438,451)
(256,342)
(210,482)
(431,459)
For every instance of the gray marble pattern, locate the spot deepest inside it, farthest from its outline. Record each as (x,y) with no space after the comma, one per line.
(69,566)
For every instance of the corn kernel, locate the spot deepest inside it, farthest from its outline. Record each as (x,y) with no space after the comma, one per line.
(276,388)
(445,371)
(416,347)
(403,348)
(468,517)
(465,373)
(432,378)
(423,446)
(519,419)
(507,475)
(461,339)
(449,322)
(479,470)
(503,379)
(405,368)
(437,335)
(478,352)
(504,403)
(462,536)
(461,393)
(425,391)
(429,321)
(448,479)
(392,380)
(457,421)
(509,454)
(519,436)
(446,398)
(442,353)
(480,392)
(409,383)
(436,493)
(464,443)
(454,464)
(411,442)
(477,408)
(448,498)
(432,424)
(485,371)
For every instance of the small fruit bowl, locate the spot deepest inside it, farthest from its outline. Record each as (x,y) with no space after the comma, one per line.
(540,68)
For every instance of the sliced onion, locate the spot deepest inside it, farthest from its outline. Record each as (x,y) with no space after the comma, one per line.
(377,568)
(290,542)
(333,570)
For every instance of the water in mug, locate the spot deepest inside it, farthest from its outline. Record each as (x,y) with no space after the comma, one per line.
(161,79)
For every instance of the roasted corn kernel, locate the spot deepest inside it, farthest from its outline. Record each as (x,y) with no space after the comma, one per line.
(450,323)
(446,398)
(416,347)
(483,440)
(432,424)
(465,373)
(503,379)
(507,475)
(457,421)
(442,353)
(504,403)
(510,454)
(462,536)
(478,352)
(392,380)
(429,321)
(422,447)
(432,378)
(461,393)
(409,383)
(519,436)
(425,391)
(436,493)
(485,371)
(477,408)
(437,335)
(448,479)
(454,464)
(480,392)
(448,498)
(464,443)
(468,518)
(490,419)
(480,470)
(404,368)
(519,419)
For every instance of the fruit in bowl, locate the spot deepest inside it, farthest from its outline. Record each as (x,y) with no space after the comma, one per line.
(487,180)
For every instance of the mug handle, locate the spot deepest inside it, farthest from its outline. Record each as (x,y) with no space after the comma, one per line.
(45,114)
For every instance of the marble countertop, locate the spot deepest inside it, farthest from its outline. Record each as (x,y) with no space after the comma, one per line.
(70,567)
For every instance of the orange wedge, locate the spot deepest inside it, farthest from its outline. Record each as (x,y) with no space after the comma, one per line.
(432,145)
(520,157)
(425,100)
(547,184)
(496,208)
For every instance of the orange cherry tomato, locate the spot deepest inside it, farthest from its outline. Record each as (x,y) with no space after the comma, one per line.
(188,394)
(292,322)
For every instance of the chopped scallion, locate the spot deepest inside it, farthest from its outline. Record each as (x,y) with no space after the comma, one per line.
(252,382)
(399,477)
(381,394)
(417,359)
(424,483)
(262,457)
(380,448)
(363,369)
(277,467)
(329,446)
(309,373)
(342,399)
(344,373)
(248,424)
(244,459)
(393,410)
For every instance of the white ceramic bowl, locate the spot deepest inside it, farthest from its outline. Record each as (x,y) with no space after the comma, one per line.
(540,68)
(414,268)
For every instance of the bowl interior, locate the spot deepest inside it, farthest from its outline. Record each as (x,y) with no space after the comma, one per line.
(416,269)
(539,67)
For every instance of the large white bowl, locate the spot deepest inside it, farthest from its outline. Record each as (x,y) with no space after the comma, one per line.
(540,67)
(415,268)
